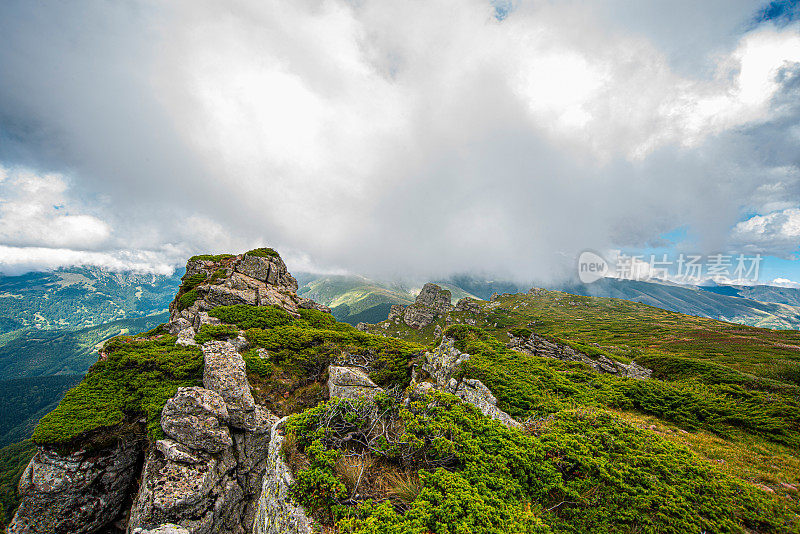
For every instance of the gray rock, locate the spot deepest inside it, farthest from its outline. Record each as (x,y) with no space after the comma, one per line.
(476,393)
(443,362)
(186,337)
(176,326)
(176,452)
(431,303)
(350,383)
(76,493)
(277,513)
(225,372)
(192,417)
(396,312)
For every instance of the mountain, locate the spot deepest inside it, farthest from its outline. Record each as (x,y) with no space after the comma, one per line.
(254,410)
(81,296)
(354,299)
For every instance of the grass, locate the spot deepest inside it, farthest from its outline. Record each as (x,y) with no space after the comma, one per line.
(263,253)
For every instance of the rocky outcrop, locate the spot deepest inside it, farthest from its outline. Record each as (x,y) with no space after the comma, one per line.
(350,383)
(75,493)
(225,373)
(194,417)
(256,278)
(277,513)
(444,367)
(540,346)
(431,303)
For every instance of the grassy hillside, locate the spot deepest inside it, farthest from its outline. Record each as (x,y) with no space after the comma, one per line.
(731,393)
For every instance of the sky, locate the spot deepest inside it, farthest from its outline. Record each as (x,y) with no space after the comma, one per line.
(395,139)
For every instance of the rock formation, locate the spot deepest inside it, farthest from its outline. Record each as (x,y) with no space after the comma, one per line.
(444,366)
(540,346)
(350,383)
(431,303)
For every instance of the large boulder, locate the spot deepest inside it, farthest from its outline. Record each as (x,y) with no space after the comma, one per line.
(350,383)
(75,493)
(193,417)
(225,373)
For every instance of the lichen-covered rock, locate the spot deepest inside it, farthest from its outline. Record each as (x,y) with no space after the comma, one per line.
(350,383)
(475,392)
(396,312)
(431,303)
(444,366)
(277,513)
(193,416)
(540,346)
(225,373)
(76,493)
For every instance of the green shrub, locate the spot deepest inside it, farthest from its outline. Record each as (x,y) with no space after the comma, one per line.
(136,378)
(191,282)
(211,257)
(257,365)
(263,253)
(187,299)
(584,472)
(520,332)
(209,332)
(247,317)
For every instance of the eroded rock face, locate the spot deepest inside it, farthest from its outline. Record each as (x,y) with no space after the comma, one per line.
(226,374)
(193,417)
(77,493)
(255,280)
(475,392)
(539,346)
(277,513)
(431,303)
(350,383)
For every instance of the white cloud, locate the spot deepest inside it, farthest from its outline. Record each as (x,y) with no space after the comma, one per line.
(380,137)
(785,282)
(776,233)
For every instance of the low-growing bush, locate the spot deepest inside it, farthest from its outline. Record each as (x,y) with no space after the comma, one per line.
(136,378)
(187,299)
(263,253)
(210,332)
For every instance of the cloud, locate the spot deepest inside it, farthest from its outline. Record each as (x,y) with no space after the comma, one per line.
(777,233)
(421,138)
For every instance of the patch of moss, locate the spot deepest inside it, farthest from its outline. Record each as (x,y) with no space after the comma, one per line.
(210,332)
(187,299)
(211,257)
(136,379)
(263,253)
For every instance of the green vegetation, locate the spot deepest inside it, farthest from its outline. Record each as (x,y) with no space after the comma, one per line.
(581,471)
(13,460)
(191,282)
(187,299)
(257,365)
(136,378)
(211,257)
(246,317)
(209,332)
(263,253)
(532,386)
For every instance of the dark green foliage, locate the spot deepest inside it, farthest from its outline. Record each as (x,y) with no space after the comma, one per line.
(520,332)
(307,351)
(187,299)
(246,317)
(257,365)
(584,472)
(209,332)
(263,253)
(528,385)
(191,282)
(211,257)
(136,378)
(26,400)
(13,460)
